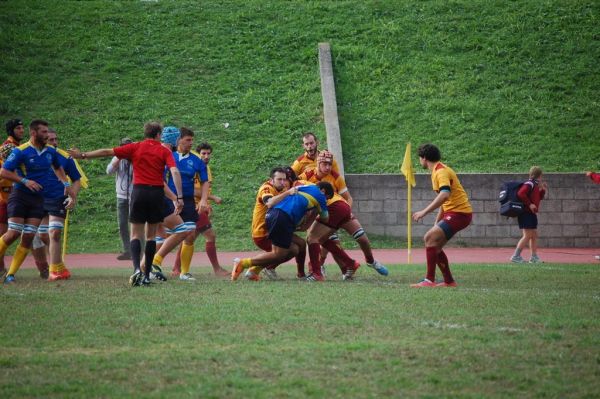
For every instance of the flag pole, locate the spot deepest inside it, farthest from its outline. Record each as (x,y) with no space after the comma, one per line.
(409,218)
(409,173)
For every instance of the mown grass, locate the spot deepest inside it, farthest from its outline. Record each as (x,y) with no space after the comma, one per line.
(508,331)
(499,86)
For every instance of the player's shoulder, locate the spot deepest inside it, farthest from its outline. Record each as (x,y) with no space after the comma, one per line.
(301,158)
(309,174)
(24,146)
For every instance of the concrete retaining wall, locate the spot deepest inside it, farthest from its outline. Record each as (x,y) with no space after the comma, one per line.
(569,216)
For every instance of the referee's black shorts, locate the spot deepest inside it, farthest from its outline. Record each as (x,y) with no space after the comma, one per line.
(146,204)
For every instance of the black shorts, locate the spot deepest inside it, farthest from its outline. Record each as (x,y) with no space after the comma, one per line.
(188,213)
(528,220)
(146,204)
(281,227)
(55,206)
(25,205)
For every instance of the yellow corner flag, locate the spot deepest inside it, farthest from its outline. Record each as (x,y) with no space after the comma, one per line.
(407,169)
(409,173)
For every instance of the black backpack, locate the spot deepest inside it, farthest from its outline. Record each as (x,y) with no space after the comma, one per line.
(510,204)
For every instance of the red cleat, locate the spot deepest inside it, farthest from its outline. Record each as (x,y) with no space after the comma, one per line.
(349,275)
(444,284)
(238,268)
(424,284)
(315,277)
(65,274)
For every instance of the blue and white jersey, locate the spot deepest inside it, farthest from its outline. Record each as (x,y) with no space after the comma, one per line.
(32,163)
(309,197)
(189,166)
(55,188)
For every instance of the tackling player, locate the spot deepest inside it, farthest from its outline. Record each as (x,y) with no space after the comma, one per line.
(287,211)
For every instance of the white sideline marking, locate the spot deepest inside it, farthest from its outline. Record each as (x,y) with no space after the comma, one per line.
(452,326)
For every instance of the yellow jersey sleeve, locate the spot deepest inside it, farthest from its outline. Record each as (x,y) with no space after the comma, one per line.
(259,226)
(443,176)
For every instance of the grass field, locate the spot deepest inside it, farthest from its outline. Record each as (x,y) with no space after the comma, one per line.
(507,331)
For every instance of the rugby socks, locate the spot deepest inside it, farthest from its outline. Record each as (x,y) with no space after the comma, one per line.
(444,266)
(18,259)
(136,253)
(149,253)
(57,267)
(42,266)
(314,256)
(3,247)
(211,251)
(432,257)
(246,263)
(338,253)
(187,251)
(300,260)
(156,259)
(365,247)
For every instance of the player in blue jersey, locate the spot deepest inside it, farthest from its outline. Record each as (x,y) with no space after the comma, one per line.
(181,226)
(56,205)
(288,211)
(28,167)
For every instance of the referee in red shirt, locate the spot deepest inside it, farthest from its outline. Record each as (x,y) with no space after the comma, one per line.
(148,159)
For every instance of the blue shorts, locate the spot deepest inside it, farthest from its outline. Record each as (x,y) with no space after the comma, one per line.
(188,213)
(25,205)
(281,227)
(55,206)
(527,220)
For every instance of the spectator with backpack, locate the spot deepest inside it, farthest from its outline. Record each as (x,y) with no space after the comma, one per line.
(530,193)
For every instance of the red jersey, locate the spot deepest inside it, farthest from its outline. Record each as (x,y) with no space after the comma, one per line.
(531,193)
(149,159)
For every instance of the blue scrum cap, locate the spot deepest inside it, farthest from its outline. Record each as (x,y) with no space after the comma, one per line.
(170,135)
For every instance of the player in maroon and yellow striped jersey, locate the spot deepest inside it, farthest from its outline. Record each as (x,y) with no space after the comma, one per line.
(308,160)
(455,214)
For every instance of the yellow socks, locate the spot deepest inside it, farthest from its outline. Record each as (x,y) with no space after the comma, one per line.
(3,247)
(157,260)
(57,267)
(187,251)
(255,269)
(18,259)
(246,263)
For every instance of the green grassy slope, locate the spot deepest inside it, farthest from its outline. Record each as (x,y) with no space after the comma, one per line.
(497,85)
